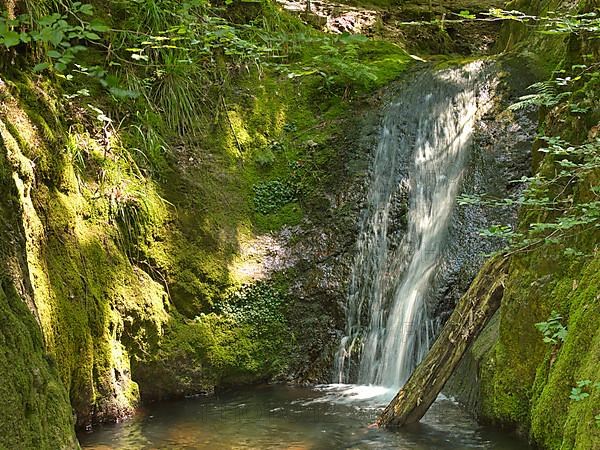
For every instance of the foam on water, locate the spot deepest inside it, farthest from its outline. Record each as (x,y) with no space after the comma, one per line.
(368,396)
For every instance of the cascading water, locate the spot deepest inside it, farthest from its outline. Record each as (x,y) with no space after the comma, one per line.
(421,155)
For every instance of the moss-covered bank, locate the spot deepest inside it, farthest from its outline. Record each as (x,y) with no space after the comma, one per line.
(517,380)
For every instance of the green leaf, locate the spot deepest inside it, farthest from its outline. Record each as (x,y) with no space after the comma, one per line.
(67,59)
(91,36)
(87,9)
(49,20)
(55,37)
(123,93)
(99,26)
(78,48)
(561,334)
(40,67)
(54,54)
(577,395)
(60,66)
(11,38)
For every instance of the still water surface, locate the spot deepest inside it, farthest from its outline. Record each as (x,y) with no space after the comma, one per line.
(291,417)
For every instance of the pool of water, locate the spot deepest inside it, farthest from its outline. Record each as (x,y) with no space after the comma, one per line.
(292,417)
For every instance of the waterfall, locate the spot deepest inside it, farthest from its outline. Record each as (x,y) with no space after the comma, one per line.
(416,174)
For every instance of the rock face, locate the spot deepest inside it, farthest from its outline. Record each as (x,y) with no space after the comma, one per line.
(333,17)
(500,154)
(320,251)
(421,26)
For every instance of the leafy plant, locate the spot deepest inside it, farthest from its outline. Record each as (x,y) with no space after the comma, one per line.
(552,329)
(272,195)
(581,390)
(552,196)
(177,89)
(467,14)
(149,147)
(336,60)
(259,304)
(578,393)
(547,93)
(61,34)
(265,157)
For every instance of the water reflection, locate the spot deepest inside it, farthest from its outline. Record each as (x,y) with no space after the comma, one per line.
(286,417)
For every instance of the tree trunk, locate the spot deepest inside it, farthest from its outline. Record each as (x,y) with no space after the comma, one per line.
(472,313)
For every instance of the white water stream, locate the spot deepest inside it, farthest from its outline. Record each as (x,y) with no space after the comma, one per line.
(422,153)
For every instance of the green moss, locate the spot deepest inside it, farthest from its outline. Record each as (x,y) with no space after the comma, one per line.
(557,421)
(36,412)
(215,349)
(526,383)
(288,215)
(88,296)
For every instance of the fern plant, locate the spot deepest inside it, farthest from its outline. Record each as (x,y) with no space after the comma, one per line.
(547,94)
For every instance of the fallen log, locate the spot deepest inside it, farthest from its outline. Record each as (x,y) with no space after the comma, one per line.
(470,316)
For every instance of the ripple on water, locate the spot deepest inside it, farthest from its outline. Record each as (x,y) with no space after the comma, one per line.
(290,417)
